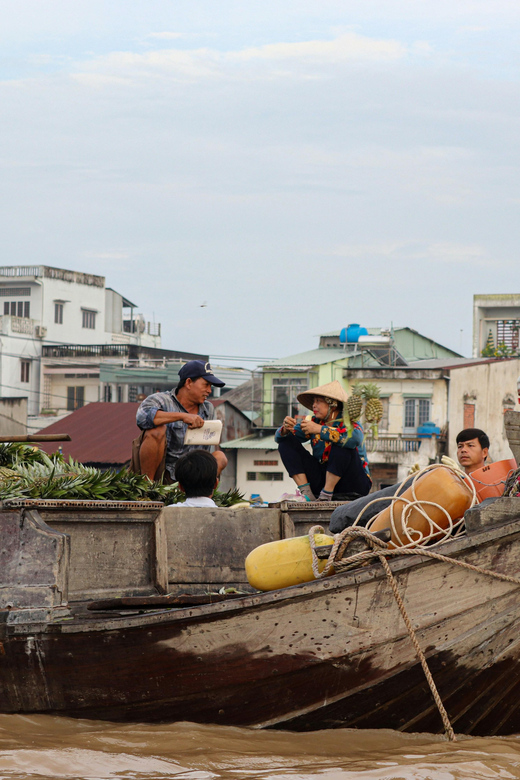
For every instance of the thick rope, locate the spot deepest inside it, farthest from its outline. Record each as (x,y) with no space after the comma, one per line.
(414,546)
(381,552)
(448,728)
(436,532)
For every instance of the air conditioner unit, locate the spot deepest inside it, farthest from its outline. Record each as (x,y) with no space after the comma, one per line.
(40,331)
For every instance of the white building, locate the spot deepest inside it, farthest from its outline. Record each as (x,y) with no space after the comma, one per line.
(53,306)
(496,325)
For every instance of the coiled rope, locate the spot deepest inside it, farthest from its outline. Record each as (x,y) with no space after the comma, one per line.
(379,550)
(436,533)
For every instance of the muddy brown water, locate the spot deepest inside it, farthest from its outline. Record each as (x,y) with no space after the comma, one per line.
(44,746)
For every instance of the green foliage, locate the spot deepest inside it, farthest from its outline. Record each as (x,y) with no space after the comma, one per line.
(500,351)
(29,473)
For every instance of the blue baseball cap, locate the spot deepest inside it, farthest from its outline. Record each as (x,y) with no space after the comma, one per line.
(194,369)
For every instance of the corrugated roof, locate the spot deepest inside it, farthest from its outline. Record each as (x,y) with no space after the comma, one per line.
(448,362)
(313,357)
(252,442)
(100,432)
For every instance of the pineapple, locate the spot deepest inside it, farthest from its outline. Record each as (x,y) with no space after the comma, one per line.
(355,402)
(373,406)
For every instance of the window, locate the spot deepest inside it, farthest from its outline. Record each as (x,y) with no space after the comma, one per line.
(58,313)
(416,413)
(285,392)
(89,319)
(17,308)
(507,333)
(469,415)
(265,463)
(14,292)
(25,367)
(75,398)
(265,476)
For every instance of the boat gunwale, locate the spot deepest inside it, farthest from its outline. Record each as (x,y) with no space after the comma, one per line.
(260,600)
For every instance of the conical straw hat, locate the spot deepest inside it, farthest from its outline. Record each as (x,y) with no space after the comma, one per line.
(331,390)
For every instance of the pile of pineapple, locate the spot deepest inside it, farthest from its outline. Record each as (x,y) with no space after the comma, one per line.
(27,472)
(364,402)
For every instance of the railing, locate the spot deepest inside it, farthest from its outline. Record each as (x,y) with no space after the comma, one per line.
(17,324)
(20,270)
(78,350)
(393,445)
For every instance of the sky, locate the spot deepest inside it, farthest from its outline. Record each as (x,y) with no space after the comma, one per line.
(255,173)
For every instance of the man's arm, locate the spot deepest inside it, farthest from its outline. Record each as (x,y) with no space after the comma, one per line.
(151,415)
(192,420)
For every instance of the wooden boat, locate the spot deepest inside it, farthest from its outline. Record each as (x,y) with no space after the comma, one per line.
(331,653)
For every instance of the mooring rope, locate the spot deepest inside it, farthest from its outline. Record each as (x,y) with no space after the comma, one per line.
(381,552)
(436,531)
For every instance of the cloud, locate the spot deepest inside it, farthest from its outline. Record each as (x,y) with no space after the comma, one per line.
(206,62)
(165,35)
(349,46)
(108,255)
(406,251)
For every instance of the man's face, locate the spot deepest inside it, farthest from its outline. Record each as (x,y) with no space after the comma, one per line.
(198,389)
(471,455)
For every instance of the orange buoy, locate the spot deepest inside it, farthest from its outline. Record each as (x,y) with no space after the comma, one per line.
(441,486)
(491,480)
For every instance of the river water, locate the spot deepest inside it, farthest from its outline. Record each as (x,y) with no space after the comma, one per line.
(44,746)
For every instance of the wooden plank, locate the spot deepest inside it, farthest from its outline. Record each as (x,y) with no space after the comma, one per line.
(37,437)
(209,546)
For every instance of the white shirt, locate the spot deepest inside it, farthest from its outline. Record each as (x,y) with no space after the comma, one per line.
(198,501)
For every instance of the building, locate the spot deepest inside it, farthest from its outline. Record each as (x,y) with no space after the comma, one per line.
(45,306)
(256,466)
(479,394)
(411,396)
(285,378)
(496,325)
(13,416)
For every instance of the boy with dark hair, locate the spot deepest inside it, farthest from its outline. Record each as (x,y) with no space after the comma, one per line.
(472,449)
(196,473)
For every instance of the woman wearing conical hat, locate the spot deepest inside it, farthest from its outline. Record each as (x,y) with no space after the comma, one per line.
(337,467)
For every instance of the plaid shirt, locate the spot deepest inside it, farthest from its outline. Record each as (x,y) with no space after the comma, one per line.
(175,431)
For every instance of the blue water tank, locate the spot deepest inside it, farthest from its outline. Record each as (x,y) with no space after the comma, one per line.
(428,429)
(351,334)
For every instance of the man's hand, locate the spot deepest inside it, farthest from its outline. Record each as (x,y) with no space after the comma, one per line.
(309,427)
(193,420)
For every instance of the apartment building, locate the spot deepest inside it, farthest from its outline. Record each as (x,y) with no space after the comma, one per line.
(42,306)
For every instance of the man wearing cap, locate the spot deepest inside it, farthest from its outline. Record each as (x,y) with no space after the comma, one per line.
(164,418)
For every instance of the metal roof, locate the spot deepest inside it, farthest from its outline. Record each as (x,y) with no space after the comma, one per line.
(448,362)
(313,357)
(252,442)
(100,433)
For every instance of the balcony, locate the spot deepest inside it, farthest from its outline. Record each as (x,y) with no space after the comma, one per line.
(11,324)
(393,444)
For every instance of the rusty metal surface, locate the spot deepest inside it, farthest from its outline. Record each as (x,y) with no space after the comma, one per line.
(100,432)
(61,503)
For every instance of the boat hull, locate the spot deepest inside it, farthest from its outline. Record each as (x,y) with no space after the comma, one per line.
(327,654)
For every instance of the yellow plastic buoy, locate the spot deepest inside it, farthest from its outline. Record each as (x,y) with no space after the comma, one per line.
(284,563)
